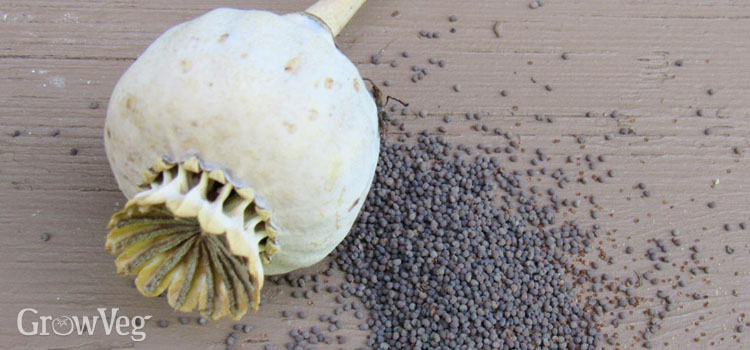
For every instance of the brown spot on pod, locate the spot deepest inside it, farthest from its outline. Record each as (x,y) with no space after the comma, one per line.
(292,66)
(186,66)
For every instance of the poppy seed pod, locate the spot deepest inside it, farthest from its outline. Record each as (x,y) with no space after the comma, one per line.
(246,144)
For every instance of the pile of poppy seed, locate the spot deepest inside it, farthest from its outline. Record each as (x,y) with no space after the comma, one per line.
(449,262)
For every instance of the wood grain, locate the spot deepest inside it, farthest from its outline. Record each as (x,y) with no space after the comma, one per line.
(57,57)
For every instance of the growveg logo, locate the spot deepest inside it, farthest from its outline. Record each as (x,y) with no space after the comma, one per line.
(30,323)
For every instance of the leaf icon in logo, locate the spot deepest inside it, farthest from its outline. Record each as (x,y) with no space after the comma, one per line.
(62,325)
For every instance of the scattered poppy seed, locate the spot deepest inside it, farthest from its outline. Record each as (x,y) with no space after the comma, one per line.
(94,105)
(678,63)
(457,88)
(504,93)
(183,320)
(711,205)
(548,87)
(700,112)
(163,323)
(73,151)
(564,56)
(45,237)
(710,92)
(15,133)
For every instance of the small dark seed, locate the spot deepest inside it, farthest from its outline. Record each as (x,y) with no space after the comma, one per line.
(729,250)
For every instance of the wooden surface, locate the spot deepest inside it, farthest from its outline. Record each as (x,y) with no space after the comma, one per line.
(57,57)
